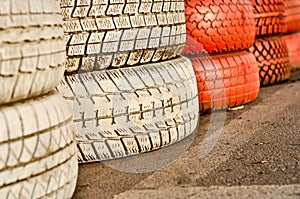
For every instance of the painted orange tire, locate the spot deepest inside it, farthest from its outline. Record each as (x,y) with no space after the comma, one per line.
(293,44)
(272,56)
(269,17)
(220,26)
(227,80)
(292,14)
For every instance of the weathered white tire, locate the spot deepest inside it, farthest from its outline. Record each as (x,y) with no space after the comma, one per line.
(100,34)
(38,156)
(32,50)
(128,111)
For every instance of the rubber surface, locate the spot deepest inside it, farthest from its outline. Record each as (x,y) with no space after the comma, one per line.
(32,51)
(193,49)
(293,45)
(227,80)
(38,155)
(128,111)
(292,15)
(102,34)
(272,56)
(269,17)
(220,26)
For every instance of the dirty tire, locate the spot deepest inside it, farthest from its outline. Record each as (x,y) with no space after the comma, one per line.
(220,26)
(292,15)
(293,45)
(32,50)
(227,80)
(272,56)
(38,156)
(269,17)
(102,34)
(123,112)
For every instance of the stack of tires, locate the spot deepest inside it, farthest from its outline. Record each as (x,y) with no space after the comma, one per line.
(270,49)
(38,157)
(130,90)
(218,35)
(292,32)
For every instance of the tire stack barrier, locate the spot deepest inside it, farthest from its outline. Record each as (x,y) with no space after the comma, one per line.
(218,33)
(292,33)
(130,90)
(270,49)
(38,157)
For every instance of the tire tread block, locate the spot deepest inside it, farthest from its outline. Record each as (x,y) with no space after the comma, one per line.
(269,17)
(33,56)
(272,56)
(292,15)
(114,34)
(35,146)
(227,80)
(58,182)
(217,25)
(128,111)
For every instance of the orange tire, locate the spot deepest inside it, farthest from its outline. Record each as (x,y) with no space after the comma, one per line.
(226,80)
(271,54)
(293,44)
(269,17)
(192,48)
(220,26)
(292,15)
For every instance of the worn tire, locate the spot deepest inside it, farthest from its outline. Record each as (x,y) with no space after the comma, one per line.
(292,15)
(272,56)
(32,50)
(220,26)
(122,112)
(293,45)
(38,155)
(227,80)
(103,34)
(269,17)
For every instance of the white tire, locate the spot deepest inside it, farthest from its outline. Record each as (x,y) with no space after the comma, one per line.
(38,156)
(128,111)
(32,50)
(100,34)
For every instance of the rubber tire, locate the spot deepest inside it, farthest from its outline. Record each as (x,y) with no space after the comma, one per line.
(114,34)
(269,17)
(293,44)
(272,56)
(38,154)
(127,111)
(292,15)
(32,57)
(220,26)
(192,49)
(226,80)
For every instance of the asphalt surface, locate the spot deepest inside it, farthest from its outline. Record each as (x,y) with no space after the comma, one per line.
(249,153)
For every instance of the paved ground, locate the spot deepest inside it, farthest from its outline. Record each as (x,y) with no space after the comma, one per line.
(257,155)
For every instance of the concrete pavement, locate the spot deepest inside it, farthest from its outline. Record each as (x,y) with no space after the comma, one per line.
(217,192)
